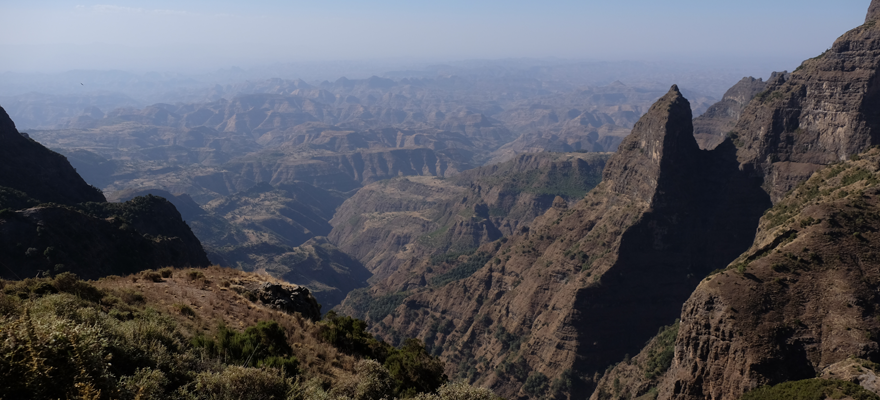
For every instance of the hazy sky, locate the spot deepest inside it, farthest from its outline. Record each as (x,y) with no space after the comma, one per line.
(56,35)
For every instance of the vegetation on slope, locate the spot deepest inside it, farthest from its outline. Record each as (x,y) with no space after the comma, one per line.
(179,335)
(811,389)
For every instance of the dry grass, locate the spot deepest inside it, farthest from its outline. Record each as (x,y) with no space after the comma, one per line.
(212,302)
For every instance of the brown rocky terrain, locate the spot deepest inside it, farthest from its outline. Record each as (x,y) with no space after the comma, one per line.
(711,128)
(800,303)
(823,112)
(628,255)
(274,230)
(390,224)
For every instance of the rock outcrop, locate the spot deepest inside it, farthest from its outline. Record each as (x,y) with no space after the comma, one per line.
(800,300)
(823,112)
(627,255)
(284,297)
(44,175)
(712,127)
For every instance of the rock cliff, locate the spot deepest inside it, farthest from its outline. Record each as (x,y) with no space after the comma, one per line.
(800,300)
(823,112)
(712,127)
(96,239)
(52,221)
(627,255)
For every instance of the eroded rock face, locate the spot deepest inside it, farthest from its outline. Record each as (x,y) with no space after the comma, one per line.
(711,128)
(823,112)
(873,11)
(589,283)
(800,300)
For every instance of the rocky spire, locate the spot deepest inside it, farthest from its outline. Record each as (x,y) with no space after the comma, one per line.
(873,10)
(661,142)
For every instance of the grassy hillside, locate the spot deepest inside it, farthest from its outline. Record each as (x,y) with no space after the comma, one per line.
(194,334)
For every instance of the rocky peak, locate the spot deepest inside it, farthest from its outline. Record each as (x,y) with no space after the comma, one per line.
(873,10)
(661,140)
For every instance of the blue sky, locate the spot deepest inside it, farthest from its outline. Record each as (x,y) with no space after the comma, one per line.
(168,35)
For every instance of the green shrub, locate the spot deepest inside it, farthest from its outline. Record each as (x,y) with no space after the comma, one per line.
(166,272)
(535,384)
(151,275)
(414,369)
(262,345)
(811,389)
(235,383)
(660,356)
(194,274)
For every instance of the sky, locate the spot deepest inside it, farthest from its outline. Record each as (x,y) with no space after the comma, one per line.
(58,35)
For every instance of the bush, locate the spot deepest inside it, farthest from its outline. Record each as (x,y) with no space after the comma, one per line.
(151,275)
(234,383)
(262,345)
(535,384)
(195,274)
(458,391)
(415,370)
(811,389)
(166,272)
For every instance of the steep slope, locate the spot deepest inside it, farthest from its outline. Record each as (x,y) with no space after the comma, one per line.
(823,112)
(627,255)
(712,127)
(408,219)
(800,301)
(41,173)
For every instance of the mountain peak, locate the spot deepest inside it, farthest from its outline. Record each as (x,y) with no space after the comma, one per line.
(873,10)
(662,141)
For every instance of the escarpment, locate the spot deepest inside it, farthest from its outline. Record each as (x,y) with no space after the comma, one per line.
(823,112)
(712,127)
(627,255)
(800,300)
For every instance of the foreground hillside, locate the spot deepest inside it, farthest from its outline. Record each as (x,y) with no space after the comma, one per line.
(197,334)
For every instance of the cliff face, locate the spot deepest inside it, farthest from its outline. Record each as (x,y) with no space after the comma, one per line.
(801,299)
(41,173)
(343,172)
(711,128)
(823,112)
(627,255)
